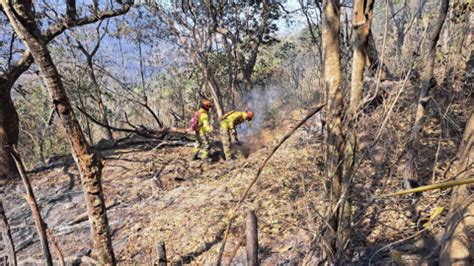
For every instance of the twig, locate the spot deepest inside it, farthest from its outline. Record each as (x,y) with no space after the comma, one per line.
(435,164)
(465,203)
(387,117)
(233,213)
(236,249)
(396,242)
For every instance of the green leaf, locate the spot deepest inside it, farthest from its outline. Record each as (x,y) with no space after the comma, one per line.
(397,257)
(434,213)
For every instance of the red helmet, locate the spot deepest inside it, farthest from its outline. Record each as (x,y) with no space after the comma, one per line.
(249,115)
(206,104)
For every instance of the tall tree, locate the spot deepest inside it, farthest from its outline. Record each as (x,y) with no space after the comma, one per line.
(427,82)
(9,122)
(202,28)
(20,15)
(314,24)
(192,24)
(335,151)
(361,21)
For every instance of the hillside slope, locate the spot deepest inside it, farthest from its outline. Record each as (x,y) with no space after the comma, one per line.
(159,194)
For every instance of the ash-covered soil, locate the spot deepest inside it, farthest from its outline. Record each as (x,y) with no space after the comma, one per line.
(160,194)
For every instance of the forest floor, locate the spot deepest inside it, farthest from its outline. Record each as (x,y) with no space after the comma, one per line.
(160,194)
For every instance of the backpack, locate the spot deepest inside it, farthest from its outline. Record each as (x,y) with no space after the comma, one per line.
(194,123)
(227,115)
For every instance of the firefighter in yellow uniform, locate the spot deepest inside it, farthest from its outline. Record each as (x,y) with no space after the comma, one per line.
(228,123)
(202,134)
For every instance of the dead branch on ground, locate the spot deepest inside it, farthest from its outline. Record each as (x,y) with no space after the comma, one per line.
(143,131)
(83,216)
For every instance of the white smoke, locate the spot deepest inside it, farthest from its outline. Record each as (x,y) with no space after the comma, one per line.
(262,101)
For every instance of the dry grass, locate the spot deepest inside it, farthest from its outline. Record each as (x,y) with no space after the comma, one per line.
(163,195)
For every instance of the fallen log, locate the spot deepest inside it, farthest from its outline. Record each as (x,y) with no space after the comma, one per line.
(172,144)
(73,260)
(83,216)
(165,133)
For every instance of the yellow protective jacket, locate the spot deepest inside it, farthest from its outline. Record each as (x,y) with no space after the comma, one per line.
(204,125)
(232,119)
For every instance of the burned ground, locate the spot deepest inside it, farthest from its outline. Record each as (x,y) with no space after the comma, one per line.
(157,193)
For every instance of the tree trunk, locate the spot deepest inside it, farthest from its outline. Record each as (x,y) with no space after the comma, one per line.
(251,243)
(14,71)
(361,21)
(161,250)
(89,164)
(400,23)
(458,234)
(35,210)
(427,82)
(335,151)
(374,62)
(71,9)
(215,93)
(9,129)
(7,238)
(458,248)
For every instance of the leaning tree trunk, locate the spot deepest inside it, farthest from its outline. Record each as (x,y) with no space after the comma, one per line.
(361,21)
(335,153)
(35,210)
(215,93)
(8,130)
(400,22)
(458,247)
(427,82)
(374,62)
(9,122)
(9,247)
(89,164)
